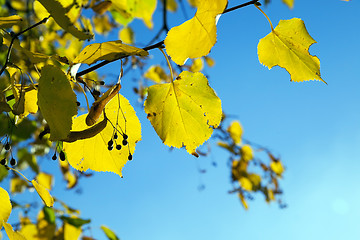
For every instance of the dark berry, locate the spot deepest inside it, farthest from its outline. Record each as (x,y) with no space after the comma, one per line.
(124,142)
(78,104)
(13,162)
(130,157)
(54,157)
(101,82)
(62,156)
(7,146)
(118,147)
(3,161)
(115,136)
(125,136)
(110,147)
(110,143)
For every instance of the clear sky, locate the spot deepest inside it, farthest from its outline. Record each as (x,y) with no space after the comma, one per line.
(313,127)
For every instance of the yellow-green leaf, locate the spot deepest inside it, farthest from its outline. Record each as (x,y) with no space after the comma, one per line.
(93,153)
(43,193)
(58,13)
(109,233)
(126,35)
(289,3)
(127,10)
(7,22)
(5,206)
(57,101)
(13,235)
(235,130)
(184,112)
(109,51)
(195,37)
(287,46)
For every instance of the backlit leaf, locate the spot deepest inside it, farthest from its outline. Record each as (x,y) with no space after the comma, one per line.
(13,235)
(109,233)
(45,180)
(71,232)
(5,206)
(110,51)
(156,73)
(235,130)
(289,3)
(184,112)
(43,193)
(7,22)
(195,37)
(57,101)
(287,46)
(126,35)
(247,153)
(58,13)
(92,153)
(277,167)
(127,10)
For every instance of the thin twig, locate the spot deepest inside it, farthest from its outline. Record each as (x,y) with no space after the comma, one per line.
(15,37)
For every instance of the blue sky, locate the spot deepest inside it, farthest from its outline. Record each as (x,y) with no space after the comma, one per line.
(313,127)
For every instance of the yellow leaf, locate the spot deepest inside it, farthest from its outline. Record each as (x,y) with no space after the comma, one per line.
(130,9)
(7,22)
(109,233)
(43,193)
(109,51)
(288,47)
(126,35)
(195,37)
(101,7)
(156,73)
(58,13)
(45,180)
(289,3)
(197,65)
(5,206)
(171,5)
(247,153)
(184,112)
(277,167)
(243,201)
(93,153)
(71,232)
(17,185)
(235,130)
(209,61)
(246,184)
(30,231)
(12,234)
(57,101)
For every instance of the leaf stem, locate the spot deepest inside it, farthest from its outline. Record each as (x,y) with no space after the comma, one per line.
(240,6)
(18,173)
(272,28)
(167,59)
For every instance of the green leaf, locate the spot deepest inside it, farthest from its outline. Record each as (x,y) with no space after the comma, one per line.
(49,214)
(109,51)
(287,46)
(184,112)
(57,101)
(109,233)
(76,222)
(58,13)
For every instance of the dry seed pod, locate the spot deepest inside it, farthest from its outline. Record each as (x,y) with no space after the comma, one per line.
(99,104)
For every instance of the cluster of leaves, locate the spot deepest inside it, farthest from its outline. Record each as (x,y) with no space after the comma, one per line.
(42,48)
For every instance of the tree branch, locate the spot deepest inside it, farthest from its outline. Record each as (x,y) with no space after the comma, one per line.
(159,44)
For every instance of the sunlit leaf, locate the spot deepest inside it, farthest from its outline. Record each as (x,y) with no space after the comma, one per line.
(235,130)
(288,47)
(7,22)
(289,3)
(109,51)
(156,73)
(197,65)
(71,232)
(243,201)
(93,153)
(184,112)
(126,35)
(277,167)
(127,10)
(5,206)
(247,153)
(57,101)
(45,180)
(13,235)
(58,13)
(43,193)
(109,233)
(195,37)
